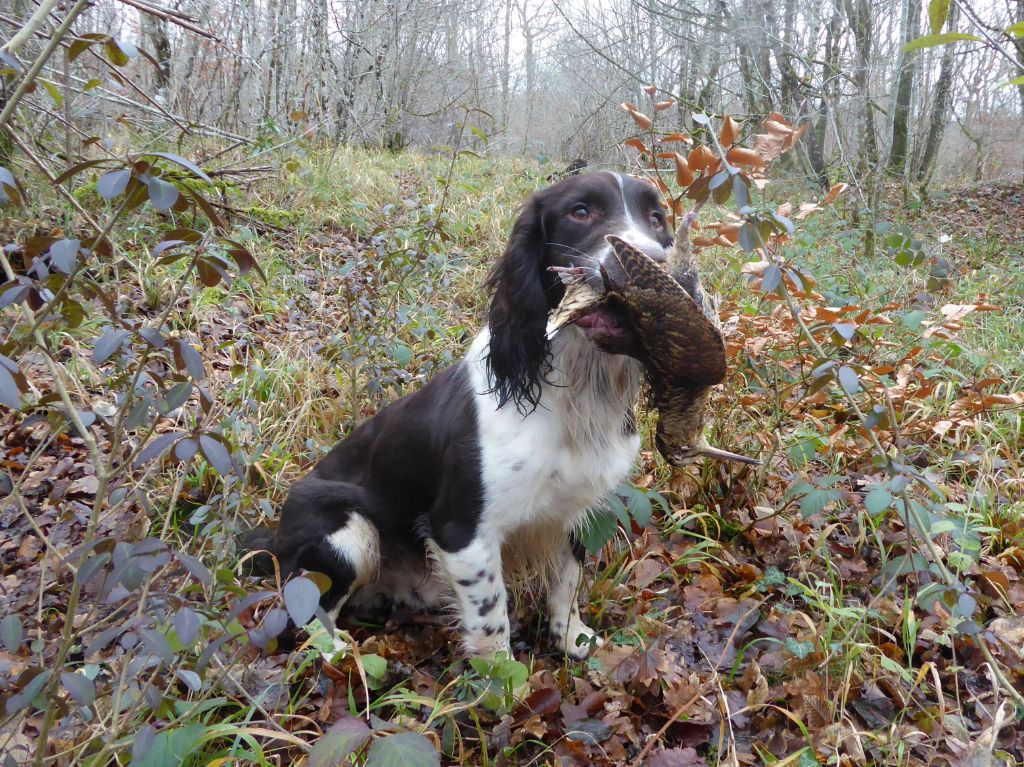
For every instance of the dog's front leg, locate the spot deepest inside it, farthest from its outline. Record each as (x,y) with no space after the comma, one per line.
(476,579)
(573,636)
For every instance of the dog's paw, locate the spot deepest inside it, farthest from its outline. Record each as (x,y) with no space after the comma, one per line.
(579,640)
(483,646)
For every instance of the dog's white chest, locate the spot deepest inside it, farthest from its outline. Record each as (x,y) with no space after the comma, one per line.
(548,468)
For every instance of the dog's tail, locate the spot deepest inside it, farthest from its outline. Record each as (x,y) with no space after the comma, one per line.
(256,551)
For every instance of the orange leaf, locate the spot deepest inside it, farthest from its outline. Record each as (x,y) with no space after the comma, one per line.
(730,230)
(700,158)
(677,137)
(834,192)
(756,268)
(637,144)
(650,90)
(702,242)
(638,117)
(662,105)
(730,130)
(743,156)
(684,176)
(795,136)
(666,155)
(776,127)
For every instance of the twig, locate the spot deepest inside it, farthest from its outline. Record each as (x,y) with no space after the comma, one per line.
(72,201)
(30,27)
(173,17)
(37,65)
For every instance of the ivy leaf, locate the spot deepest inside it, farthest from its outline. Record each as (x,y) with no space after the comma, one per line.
(639,505)
(167,748)
(816,500)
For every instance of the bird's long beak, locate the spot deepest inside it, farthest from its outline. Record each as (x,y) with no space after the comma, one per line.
(725,455)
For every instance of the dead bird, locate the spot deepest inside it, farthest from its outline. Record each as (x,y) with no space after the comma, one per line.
(674,332)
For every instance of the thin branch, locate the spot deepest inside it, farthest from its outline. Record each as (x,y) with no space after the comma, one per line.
(30,27)
(37,65)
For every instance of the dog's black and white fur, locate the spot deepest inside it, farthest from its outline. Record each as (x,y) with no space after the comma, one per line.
(491,466)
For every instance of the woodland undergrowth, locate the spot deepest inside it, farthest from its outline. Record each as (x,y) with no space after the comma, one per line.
(182,339)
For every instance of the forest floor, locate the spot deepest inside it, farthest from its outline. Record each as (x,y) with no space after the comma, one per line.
(788,614)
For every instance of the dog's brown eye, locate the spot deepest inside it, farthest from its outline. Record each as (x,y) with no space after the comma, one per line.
(657,219)
(581,213)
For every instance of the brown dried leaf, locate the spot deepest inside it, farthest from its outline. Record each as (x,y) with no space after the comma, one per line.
(675,137)
(639,117)
(684,175)
(739,155)
(636,144)
(729,132)
(700,158)
(834,192)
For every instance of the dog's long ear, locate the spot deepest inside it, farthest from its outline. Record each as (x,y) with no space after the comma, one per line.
(519,312)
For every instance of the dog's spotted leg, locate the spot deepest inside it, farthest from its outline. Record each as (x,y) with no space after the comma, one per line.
(573,636)
(476,579)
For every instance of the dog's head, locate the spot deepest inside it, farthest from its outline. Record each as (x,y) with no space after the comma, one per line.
(563,226)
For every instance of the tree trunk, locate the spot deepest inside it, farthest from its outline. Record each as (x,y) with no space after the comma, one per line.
(904,92)
(819,131)
(531,74)
(506,66)
(1018,43)
(940,107)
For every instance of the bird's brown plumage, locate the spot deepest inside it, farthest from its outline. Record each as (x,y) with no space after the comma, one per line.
(676,336)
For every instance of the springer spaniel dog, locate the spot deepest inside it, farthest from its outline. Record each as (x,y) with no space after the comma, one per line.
(492,466)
